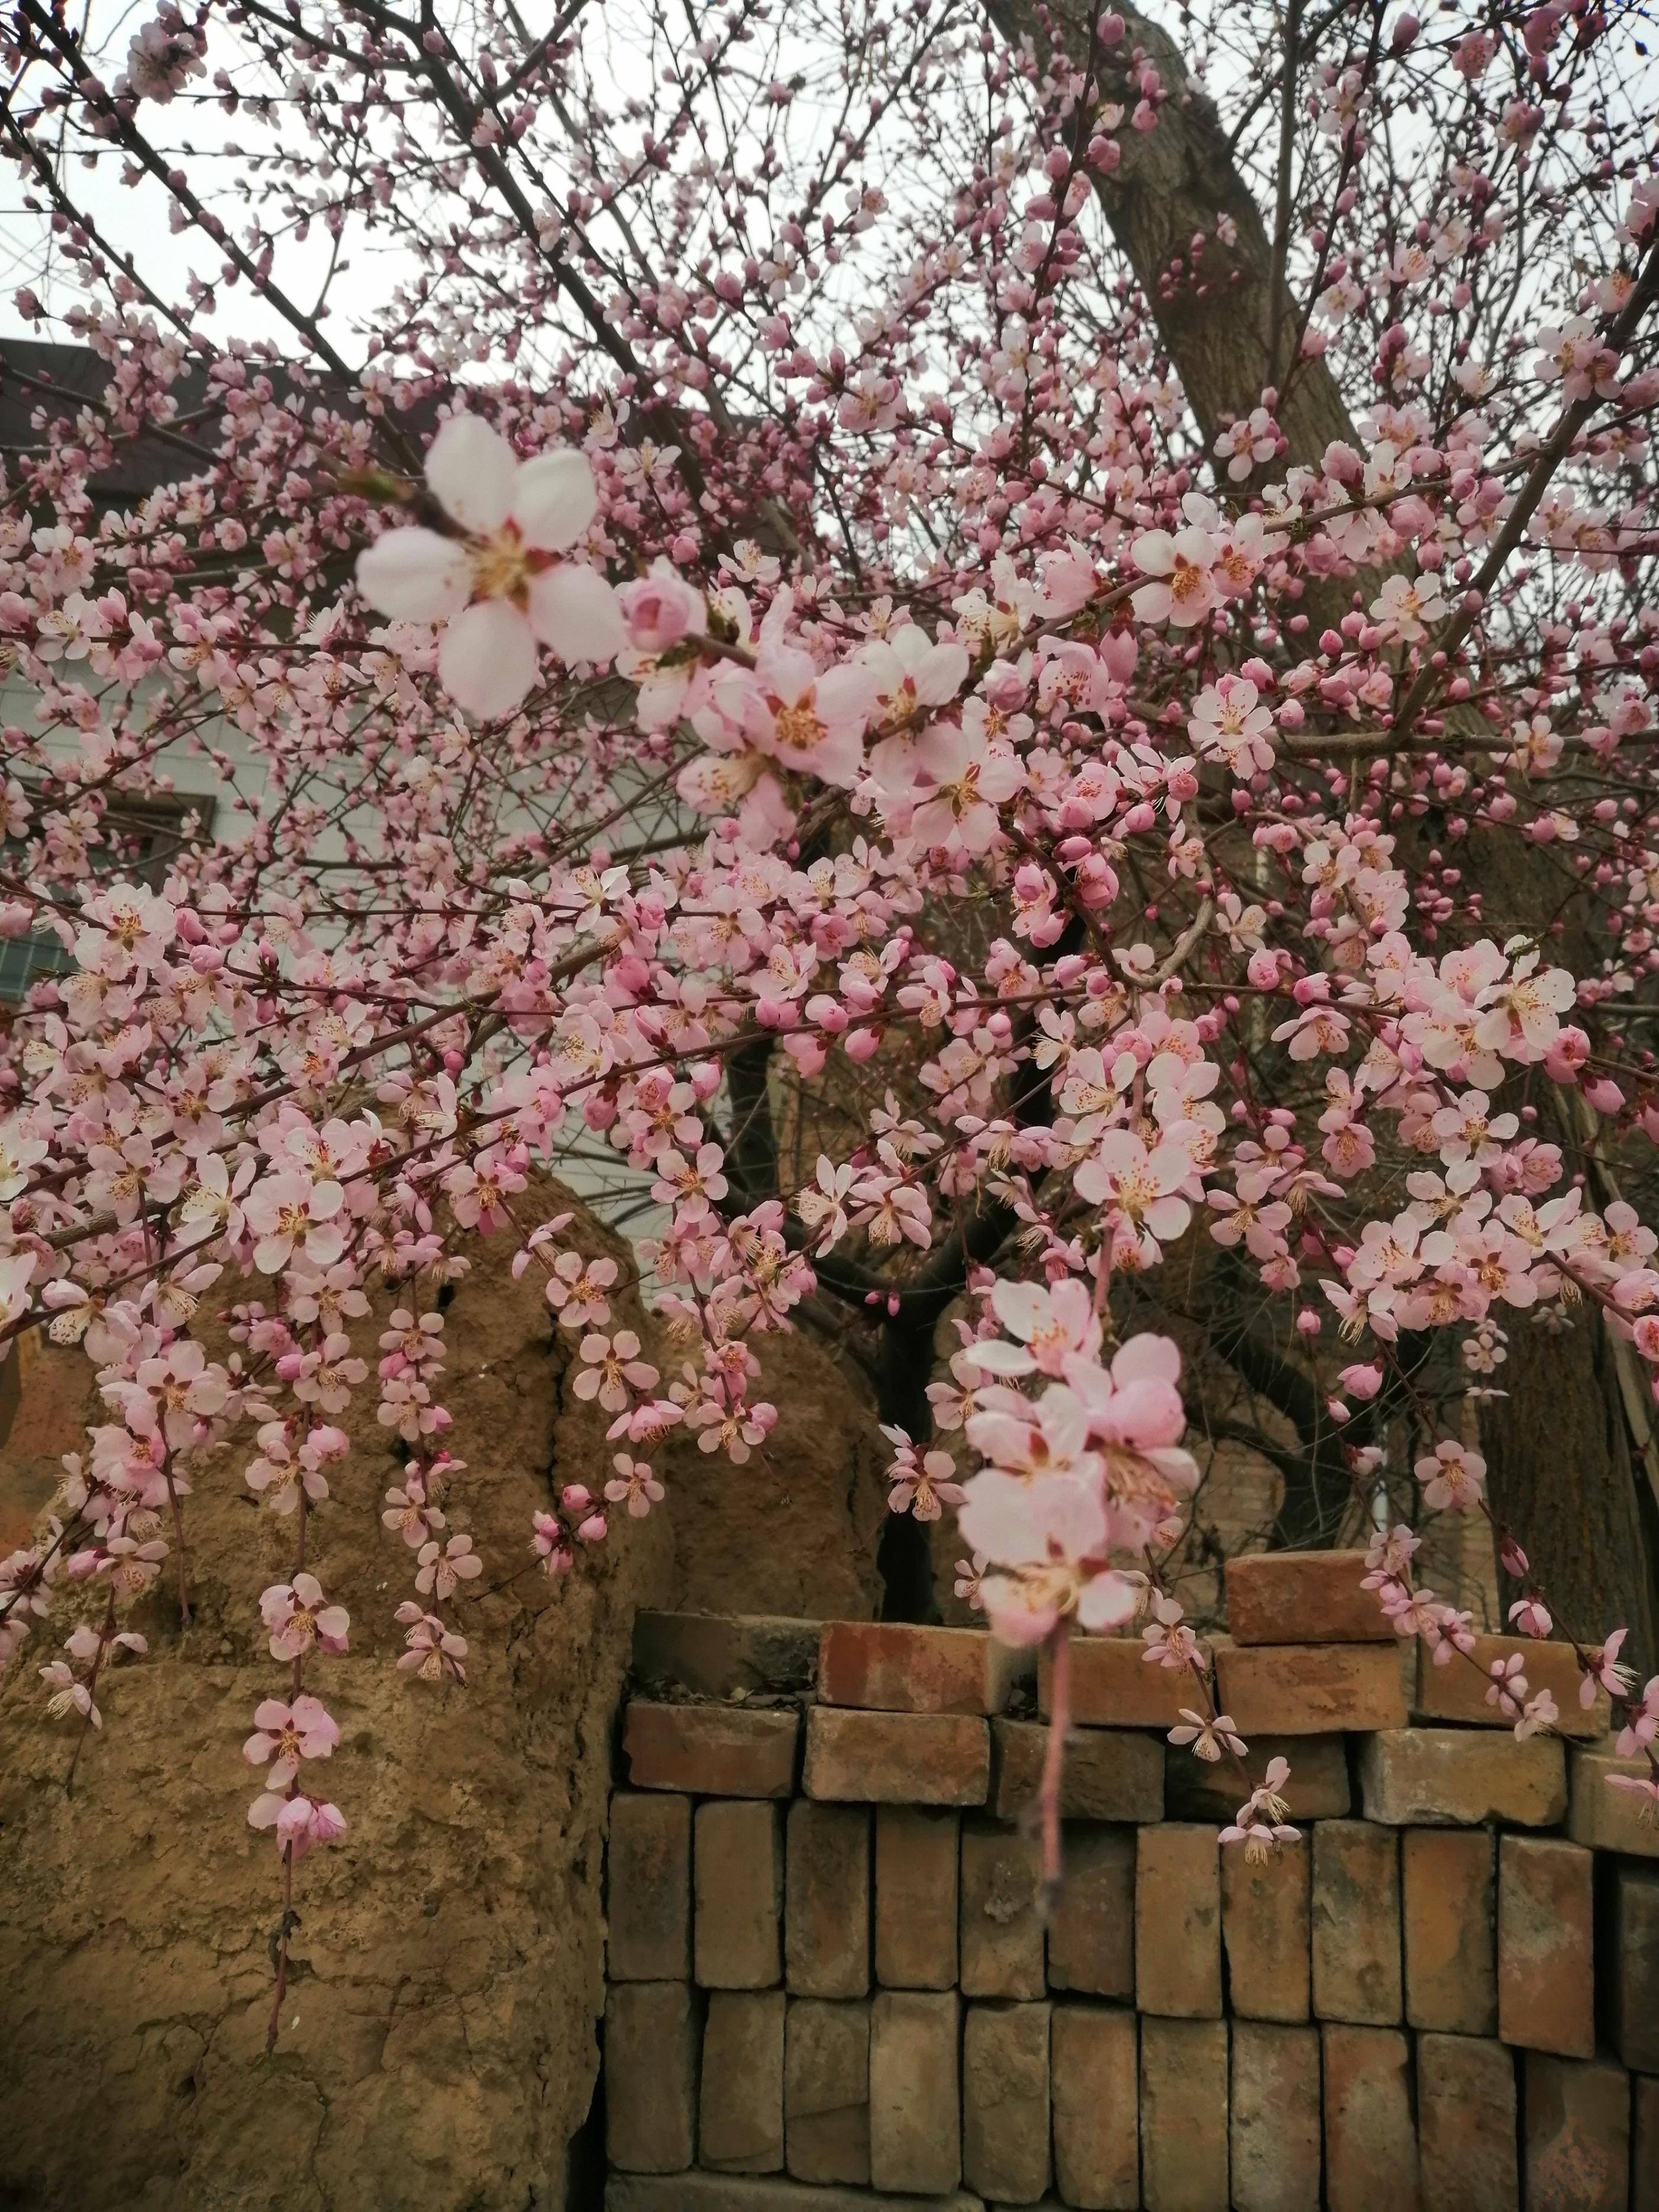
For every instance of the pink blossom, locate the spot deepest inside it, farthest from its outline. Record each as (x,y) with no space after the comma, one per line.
(1184,590)
(284,1735)
(299,1621)
(497,589)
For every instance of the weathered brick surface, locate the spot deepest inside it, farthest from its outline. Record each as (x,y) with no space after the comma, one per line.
(1094,2058)
(711,1751)
(1001,1932)
(1005,2101)
(1545,1962)
(1178,1921)
(1449,1890)
(1183,2115)
(890,1666)
(651,2076)
(917,1857)
(896,1759)
(1110,1774)
(1113,1686)
(826,1921)
(1431,1776)
(1644,2144)
(915,2104)
(1467,2126)
(1310,1689)
(1303,1597)
(648,1888)
(740,2112)
(1371,2146)
(1457,1690)
(714,1654)
(1356,1923)
(1635,1949)
(1265,1930)
(1276,2155)
(1577,2147)
(1318,1788)
(1609,1820)
(826,2091)
(724,2193)
(738,1859)
(1091,1937)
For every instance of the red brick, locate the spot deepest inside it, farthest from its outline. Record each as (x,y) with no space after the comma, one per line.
(1610,1819)
(1183,2115)
(1645,2145)
(1264,1929)
(1636,1964)
(1005,2101)
(651,2076)
(1356,1923)
(1318,1788)
(1091,1936)
(826,2091)
(1371,2145)
(1276,2161)
(725,2192)
(891,1666)
(826,1922)
(916,2098)
(898,1759)
(1449,1890)
(1545,1960)
(740,2110)
(1577,2150)
(1467,2126)
(1310,1689)
(710,1751)
(648,1888)
(1001,1930)
(1460,1777)
(1107,1774)
(917,1857)
(735,2193)
(1457,1690)
(1178,1922)
(1095,2060)
(1303,1597)
(737,1861)
(1114,1685)
(719,1654)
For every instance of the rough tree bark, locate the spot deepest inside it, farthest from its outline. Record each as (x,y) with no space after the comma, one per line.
(1564,1472)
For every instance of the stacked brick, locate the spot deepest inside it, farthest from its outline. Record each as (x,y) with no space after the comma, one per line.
(832,1986)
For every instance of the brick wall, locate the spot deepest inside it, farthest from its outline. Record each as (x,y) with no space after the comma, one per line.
(831,1987)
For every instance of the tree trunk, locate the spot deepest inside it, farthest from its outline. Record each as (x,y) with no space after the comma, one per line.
(1564,1475)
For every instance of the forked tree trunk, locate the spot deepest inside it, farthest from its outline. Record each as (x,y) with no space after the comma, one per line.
(1564,1473)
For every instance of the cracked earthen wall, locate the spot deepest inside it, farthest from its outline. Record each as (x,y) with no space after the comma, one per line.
(438,2048)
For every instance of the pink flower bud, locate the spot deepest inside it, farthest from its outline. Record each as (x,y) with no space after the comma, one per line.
(659,611)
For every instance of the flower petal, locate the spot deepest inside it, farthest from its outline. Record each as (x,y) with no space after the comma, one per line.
(472,468)
(415,575)
(554,500)
(487,660)
(574,610)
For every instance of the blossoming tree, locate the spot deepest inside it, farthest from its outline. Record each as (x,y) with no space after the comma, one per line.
(1012,663)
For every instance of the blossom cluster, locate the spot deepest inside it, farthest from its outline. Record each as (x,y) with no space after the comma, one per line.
(964,828)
